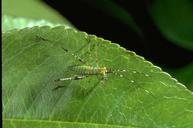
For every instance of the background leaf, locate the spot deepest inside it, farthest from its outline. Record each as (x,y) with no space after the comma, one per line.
(143,96)
(174,18)
(9,23)
(118,12)
(32,9)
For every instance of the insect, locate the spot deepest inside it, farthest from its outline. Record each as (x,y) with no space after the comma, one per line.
(85,70)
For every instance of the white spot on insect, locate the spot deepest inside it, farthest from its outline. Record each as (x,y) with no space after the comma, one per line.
(121,75)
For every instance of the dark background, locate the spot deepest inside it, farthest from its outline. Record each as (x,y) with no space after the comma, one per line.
(87,16)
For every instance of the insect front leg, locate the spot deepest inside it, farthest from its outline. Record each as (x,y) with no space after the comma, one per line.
(103,79)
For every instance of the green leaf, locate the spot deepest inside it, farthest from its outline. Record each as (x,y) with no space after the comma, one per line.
(32,9)
(141,96)
(174,18)
(9,23)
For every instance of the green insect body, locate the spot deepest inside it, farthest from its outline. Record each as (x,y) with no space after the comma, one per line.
(89,70)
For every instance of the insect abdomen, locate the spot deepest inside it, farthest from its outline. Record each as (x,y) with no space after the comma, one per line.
(86,70)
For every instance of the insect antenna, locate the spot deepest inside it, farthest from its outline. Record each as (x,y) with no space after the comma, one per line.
(75,56)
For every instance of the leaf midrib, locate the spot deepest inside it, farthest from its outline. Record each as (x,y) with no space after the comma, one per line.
(68,122)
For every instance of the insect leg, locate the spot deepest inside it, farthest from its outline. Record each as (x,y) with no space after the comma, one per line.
(66,79)
(103,79)
(71,78)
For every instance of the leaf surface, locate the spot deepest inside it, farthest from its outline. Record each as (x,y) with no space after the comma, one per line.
(139,95)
